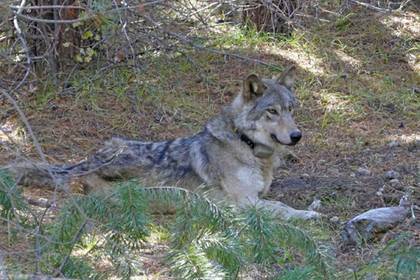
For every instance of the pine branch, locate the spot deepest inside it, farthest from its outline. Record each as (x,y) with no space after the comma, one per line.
(11,199)
(206,240)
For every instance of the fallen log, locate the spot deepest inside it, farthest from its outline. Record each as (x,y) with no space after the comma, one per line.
(366,226)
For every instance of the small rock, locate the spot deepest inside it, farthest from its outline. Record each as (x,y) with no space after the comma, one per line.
(393,144)
(335,219)
(394,182)
(380,192)
(366,225)
(361,171)
(322,161)
(392,174)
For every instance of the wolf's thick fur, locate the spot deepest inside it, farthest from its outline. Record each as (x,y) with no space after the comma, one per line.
(233,156)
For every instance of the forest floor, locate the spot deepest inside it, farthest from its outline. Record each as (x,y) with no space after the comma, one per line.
(359,91)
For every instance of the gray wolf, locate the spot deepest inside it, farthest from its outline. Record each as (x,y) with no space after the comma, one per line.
(233,157)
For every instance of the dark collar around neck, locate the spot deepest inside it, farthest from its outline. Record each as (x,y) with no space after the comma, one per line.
(246,139)
(259,150)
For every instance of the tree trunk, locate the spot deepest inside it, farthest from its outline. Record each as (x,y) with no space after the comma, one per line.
(52,42)
(270,16)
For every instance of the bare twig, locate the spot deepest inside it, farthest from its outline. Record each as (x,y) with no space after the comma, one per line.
(123,23)
(62,21)
(47,7)
(403,4)
(27,125)
(369,6)
(38,277)
(23,44)
(87,16)
(185,40)
(76,238)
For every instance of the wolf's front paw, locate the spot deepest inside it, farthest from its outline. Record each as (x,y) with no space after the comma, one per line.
(306,215)
(312,215)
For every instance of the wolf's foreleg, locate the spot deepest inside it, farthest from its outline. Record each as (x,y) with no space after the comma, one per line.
(286,211)
(245,192)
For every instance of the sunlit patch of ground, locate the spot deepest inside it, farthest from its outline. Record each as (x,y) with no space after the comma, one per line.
(303,59)
(10,132)
(403,24)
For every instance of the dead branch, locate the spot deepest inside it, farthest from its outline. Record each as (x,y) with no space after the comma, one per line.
(24,46)
(369,6)
(19,14)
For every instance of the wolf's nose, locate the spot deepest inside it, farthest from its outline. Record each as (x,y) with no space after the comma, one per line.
(295,136)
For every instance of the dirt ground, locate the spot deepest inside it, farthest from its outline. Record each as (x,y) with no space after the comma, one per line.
(338,179)
(359,118)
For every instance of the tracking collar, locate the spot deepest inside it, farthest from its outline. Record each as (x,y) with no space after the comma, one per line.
(248,141)
(259,150)
(245,139)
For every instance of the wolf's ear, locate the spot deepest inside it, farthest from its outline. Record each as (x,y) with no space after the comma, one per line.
(287,78)
(253,87)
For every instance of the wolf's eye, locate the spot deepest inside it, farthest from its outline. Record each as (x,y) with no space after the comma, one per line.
(290,108)
(272,111)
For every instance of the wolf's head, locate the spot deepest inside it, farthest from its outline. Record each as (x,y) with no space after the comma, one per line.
(262,112)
